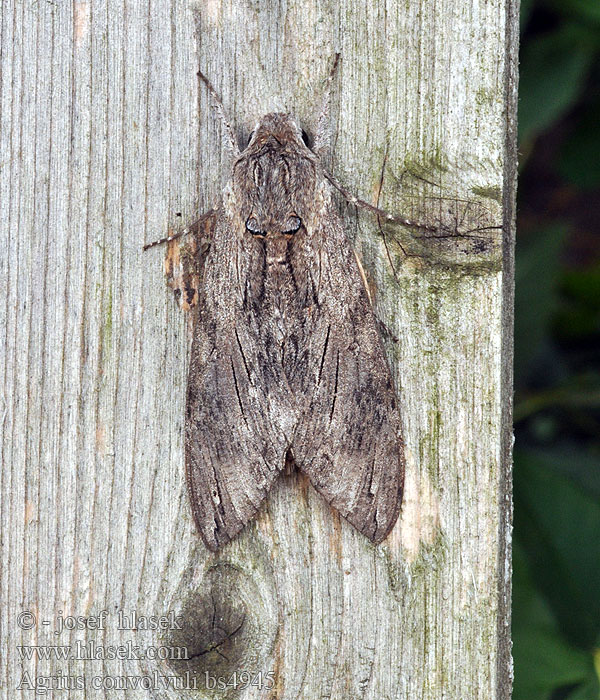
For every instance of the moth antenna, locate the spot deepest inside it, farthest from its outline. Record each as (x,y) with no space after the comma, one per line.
(218,103)
(351,199)
(323,133)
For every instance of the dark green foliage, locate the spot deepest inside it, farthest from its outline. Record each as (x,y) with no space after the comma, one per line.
(554,67)
(556,598)
(544,659)
(579,159)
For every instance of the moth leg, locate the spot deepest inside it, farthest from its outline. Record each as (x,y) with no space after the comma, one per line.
(386,331)
(184,261)
(351,199)
(323,133)
(363,277)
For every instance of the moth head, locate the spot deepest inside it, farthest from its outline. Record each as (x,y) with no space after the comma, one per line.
(280,125)
(275,177)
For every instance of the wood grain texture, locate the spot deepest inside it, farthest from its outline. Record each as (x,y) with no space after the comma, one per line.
(105,137)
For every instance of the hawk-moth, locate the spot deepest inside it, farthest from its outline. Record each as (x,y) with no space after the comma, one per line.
(287,362)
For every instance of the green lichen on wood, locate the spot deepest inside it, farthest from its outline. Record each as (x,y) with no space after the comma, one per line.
(427,164)
(490,192)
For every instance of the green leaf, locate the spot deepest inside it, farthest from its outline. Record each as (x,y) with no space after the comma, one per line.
(584,285)
(571,461)
(584,10)
(590,690)
(579,159)
(544,661)
(553,71)
(536,292)
(558,525)
(578,317)
(575,392)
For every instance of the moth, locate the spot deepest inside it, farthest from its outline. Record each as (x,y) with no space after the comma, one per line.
(287,363)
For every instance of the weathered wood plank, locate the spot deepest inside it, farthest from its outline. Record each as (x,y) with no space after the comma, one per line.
(105,137)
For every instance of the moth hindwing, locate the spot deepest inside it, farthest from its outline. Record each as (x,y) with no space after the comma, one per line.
(286,358)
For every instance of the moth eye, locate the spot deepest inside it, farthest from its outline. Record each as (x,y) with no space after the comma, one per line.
(292,225)
(305,138)
(253,227)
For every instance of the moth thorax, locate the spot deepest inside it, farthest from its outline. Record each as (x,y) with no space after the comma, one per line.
(277,249)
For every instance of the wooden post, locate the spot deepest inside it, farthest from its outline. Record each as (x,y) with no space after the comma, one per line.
(107,140)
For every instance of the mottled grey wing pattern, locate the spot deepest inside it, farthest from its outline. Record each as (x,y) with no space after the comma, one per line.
(237,403)
(286,356)
(348,439)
